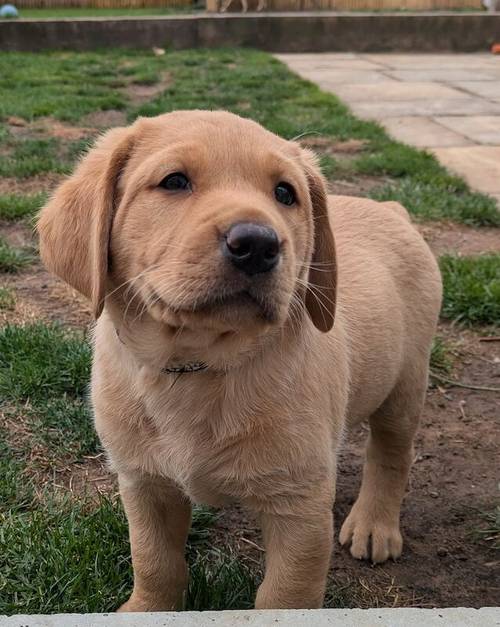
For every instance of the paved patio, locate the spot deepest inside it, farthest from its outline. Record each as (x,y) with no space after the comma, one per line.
(447,103)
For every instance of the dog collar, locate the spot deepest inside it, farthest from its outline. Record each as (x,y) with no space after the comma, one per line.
(194,366)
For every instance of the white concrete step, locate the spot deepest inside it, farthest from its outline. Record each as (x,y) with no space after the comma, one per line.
(405,617)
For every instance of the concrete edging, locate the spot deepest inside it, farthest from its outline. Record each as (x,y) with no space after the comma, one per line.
(404,617)
(275,32)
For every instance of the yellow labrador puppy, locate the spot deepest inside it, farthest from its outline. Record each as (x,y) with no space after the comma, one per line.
(244,318)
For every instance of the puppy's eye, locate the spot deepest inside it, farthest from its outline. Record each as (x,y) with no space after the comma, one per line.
(175,182)
(285,194)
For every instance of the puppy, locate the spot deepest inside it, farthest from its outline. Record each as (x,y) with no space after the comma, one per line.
(244,318)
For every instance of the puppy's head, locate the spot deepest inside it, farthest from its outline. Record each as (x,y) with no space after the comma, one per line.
(203,221)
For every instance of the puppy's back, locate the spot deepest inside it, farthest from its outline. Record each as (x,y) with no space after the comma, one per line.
(389,294)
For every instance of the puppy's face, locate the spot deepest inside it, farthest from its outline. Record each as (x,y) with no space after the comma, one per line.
(210,229)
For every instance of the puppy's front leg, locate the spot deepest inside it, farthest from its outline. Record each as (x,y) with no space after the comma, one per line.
(159,516)
(298,550)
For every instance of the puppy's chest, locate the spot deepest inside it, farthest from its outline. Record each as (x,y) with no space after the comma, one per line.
(215,452)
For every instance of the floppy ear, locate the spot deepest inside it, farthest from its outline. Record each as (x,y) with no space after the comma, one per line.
(321,295)
(74,226)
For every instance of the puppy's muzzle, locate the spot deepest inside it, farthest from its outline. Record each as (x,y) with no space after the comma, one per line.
(252,248)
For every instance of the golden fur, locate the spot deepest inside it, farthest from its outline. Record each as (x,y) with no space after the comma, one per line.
(263,423)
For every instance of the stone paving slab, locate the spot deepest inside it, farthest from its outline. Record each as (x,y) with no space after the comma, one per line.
(398,91)
(337,77)
(406,617)
(479,165)
(444,75)
(378,108)
(423,61)
(480,129)
(424,132)
(486,89)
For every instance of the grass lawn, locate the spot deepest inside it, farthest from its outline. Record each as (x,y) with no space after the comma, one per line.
(12,259)
(471,289)
(65,549)
(68,86)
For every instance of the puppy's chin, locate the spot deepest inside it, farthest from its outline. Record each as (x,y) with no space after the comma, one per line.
(219,330)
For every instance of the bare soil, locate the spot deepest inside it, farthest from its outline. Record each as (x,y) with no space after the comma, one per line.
(137,93)
(106,119)
(448,237)
(44,127)
(453,482)
(32,185)
(362,187)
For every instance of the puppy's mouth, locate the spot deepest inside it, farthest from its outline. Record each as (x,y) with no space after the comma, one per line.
(244,299)
(239,303)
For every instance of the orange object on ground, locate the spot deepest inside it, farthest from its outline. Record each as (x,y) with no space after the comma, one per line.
(495,48)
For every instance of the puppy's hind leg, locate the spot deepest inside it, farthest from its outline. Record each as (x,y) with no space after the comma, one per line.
(375,515)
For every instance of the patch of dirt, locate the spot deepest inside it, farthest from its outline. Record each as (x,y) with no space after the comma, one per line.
(63,131)
(105,119)
(327,146)
(244,105)
(362,186)
(452,481)
(16,234)
(137,94)
(45,127)
(32,185)
(91,477)
(39,295)
(448,237)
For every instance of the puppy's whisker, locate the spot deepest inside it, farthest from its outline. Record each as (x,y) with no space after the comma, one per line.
(134,278)
(313,290)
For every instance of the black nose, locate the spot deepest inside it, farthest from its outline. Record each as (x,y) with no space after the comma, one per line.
(252,248)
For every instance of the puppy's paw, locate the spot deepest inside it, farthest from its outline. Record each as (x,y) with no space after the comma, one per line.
(371,537)
(138,604)
(131,606)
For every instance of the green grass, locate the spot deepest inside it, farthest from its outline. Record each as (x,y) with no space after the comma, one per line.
(62,428)
(7,299)
(68,85)
(64,85)
(74,556)
(471,289)
(425,187)
(94,12)
(442,200)
(441,356)
(22,158)
(219,581)
(19,206)
(13,259)
(61,554)
(39,362)
(16,492)
(490,531)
